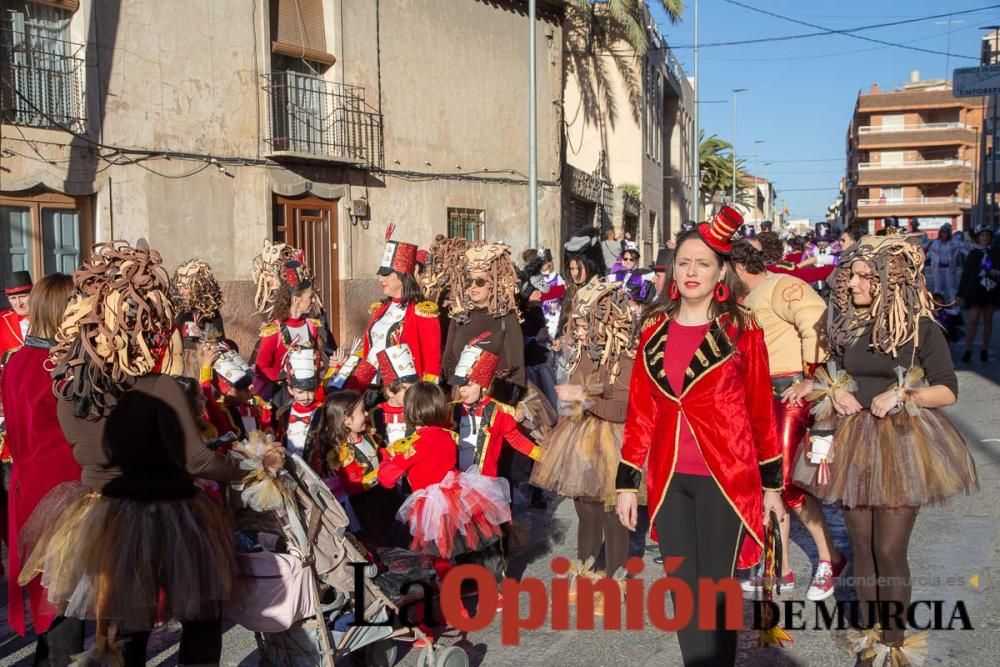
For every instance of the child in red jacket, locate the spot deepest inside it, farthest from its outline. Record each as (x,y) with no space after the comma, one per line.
(354,457)
(484,424)
(399,372)
(449,512)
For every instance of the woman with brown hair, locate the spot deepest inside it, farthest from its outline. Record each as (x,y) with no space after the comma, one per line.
(700,420)
(42,460)
(893,449)
(135,530)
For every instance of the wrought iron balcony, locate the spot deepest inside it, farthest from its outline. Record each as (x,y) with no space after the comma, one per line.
(42,80)
(315,119)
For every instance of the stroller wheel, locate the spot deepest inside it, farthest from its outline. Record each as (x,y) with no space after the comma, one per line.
(453,656)
(379,654)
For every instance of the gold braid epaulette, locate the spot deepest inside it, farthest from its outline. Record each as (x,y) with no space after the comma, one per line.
(403,446)
(653,321)
(426,309)
(373,307)
(269,329)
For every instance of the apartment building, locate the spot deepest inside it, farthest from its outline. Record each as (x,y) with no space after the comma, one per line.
(208,127)
(912,153)
(628,139)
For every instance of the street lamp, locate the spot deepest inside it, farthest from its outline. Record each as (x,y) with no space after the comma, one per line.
(735,91)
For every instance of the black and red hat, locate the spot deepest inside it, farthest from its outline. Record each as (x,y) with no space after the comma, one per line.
(718,233)
(475,365)
(397,256)
(295,274)
(396,363)
(18,282)
(356,374)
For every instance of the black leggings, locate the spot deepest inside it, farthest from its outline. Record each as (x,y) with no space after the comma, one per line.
(63,640)
(201,644)
(598,526)
(880,539)
(697,523)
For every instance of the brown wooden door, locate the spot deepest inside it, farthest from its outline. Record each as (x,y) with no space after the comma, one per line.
(310,223)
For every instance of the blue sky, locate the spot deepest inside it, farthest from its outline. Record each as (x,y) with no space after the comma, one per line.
(802,92)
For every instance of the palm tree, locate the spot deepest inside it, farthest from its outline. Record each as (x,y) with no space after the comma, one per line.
(619,20)
(715,157)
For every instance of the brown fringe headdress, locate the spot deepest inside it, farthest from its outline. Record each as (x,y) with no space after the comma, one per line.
(610,322)
(443,279)
(118,326)
(268,274)
(493,259)
(204,295)
(899,295)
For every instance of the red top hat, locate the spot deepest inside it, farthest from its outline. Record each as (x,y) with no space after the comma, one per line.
(475,364)
(397,256)
(718,233)
(396,363)
(423,257)
(295,275)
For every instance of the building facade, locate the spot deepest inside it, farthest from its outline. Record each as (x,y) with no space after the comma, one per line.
(912,153)
(208,127)
(628,138)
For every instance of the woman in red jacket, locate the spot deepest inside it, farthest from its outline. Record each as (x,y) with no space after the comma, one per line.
(700,411)
(402,316)
(42,460)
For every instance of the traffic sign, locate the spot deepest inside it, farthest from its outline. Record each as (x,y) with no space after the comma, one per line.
(976,81)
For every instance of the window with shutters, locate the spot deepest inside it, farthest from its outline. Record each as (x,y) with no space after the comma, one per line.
(298,30)
(467,223)
(44,232)
(41,69)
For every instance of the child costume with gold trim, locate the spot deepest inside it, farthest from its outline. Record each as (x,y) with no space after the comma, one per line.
(449,512)
(727,403)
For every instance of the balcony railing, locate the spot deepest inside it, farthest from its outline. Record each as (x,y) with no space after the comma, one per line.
(913,127)
(915,164)
(916,201)
(317,119)
(42,80)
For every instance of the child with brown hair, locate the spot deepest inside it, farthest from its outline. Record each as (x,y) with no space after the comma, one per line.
(398,372)
(354,457)
(449,512)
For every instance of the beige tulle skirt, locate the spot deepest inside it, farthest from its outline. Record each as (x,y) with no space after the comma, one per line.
(581,459)
(130,562)
(897,461)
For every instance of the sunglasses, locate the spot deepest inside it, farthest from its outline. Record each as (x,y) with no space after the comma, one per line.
(478,282)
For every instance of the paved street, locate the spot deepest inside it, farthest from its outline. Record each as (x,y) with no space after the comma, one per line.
(955,542)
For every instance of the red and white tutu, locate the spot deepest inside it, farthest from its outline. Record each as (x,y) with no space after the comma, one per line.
(462,513)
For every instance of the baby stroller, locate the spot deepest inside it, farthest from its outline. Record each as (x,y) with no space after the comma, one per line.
(297,583)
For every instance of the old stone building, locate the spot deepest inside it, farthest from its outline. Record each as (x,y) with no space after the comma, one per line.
(208,127)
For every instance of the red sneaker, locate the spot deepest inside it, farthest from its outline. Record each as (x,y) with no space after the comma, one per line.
(825,580)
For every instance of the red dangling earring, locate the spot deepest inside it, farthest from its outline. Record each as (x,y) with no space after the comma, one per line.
(673,292)
(721,292)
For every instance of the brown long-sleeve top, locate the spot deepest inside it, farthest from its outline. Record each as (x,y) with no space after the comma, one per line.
(147,448)
(876,372)
(506,341)
(612,404)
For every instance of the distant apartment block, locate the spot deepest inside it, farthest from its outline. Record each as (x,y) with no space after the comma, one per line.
(912,153)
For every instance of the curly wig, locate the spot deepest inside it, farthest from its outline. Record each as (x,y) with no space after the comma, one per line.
(268,274)
(203,295)
(443,279)
(118,327)
(493,259)
(899,295)
(610,327)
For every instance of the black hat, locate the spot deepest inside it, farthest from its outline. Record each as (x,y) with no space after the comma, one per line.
(747,231)
(891,223)
(664,257)
(824,233)
(767,226)
(18,282)
(688,226)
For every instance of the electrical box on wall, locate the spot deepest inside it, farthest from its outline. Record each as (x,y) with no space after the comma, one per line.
(360,208)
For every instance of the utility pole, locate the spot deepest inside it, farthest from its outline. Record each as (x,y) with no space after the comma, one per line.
(735,90)
(532,133)
(696,142)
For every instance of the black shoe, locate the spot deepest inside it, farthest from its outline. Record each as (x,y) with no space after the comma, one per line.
(538,499)
(984,356)
(653,548)
(658,560)
(967,356)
